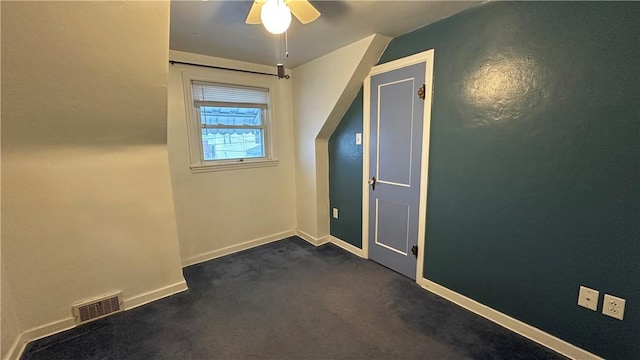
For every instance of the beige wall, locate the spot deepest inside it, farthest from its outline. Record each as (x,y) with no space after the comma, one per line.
(224,211)
(86,197)
(86,192)
(322,92)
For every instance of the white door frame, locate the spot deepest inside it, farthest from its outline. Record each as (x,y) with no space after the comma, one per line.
(427,57)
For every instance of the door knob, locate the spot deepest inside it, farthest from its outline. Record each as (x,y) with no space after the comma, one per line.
(372,182)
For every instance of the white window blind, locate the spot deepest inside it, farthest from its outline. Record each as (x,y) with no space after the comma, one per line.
(212,94)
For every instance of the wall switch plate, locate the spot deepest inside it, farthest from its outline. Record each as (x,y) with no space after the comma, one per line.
(335,213)
(358,138)
(613,306)
(588,298)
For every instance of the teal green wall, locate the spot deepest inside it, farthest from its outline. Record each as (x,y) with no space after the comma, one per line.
(534,169)
(345,174)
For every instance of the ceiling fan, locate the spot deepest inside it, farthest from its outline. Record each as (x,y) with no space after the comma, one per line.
(275,15)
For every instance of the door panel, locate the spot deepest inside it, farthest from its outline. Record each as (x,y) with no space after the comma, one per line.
(396,124)
(392,229)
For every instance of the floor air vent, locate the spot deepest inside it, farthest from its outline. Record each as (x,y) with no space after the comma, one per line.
(97,308)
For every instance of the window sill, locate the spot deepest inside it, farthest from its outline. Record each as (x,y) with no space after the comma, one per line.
(236,165)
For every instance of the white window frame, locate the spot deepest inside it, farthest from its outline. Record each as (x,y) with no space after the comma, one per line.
(194,135)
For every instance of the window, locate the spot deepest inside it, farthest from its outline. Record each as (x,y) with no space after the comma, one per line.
(228,126)
(231,132)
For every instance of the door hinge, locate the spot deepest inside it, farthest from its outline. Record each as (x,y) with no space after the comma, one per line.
(421,91)
(414,250)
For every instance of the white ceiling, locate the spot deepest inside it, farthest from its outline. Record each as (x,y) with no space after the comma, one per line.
(217,28)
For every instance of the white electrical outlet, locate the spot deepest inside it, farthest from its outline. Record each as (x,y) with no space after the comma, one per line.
(335,213)
(613,306)
(588,298)
(358,138)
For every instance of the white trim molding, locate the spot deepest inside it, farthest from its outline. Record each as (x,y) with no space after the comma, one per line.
(312,239)
(517,326)
(36,333)
(236,165)
(39,332)
(236,248)
(366,141)
(346,246)
(153,295)
(18,344)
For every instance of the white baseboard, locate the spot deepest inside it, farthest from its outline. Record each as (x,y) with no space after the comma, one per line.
(346,246)
(157,294)
(510,323)
(55,327)
(13,353)
(37,333)
(236,248)
(312,239)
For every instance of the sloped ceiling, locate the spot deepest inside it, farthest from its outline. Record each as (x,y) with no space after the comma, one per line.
(217,28)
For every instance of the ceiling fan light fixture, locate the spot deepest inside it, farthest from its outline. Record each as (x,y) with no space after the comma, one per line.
(276,16)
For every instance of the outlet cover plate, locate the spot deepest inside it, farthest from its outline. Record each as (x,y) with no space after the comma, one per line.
(588,298)
(613,306)
(335,213)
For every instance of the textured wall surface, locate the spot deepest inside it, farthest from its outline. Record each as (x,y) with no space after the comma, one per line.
(345,174)
(533,178)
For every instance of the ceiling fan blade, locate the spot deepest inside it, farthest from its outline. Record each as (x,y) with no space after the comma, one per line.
(254,14)
(303,10)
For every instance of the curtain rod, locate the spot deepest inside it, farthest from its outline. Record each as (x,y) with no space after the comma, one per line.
(280,76)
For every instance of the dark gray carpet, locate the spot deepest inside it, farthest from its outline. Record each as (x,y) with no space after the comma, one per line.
(290,300)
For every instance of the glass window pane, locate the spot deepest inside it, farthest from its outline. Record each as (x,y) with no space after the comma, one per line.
(224,144)
(214,115)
